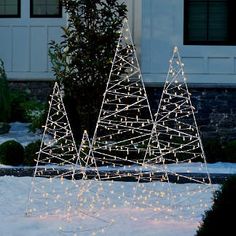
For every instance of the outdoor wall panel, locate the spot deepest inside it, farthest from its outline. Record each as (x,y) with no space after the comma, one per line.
(5,49)
(194,64)
(39,49)
(162,29)
(235,65)
(54,33)
(220,65)
(21,49)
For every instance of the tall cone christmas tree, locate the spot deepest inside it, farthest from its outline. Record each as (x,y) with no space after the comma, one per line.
(175,138)
(56,163)
(125,120)
(124,124)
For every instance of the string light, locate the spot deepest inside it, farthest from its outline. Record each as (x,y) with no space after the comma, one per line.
(125,110)
(57,193)
(127,145)
(176,141)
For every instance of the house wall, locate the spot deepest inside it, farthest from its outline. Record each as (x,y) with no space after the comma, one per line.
(211,70)
(24,44)
(24,41)
(156,26)
(162,29)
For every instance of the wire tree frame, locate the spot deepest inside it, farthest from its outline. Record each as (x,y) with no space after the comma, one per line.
(175,140)
(59,187)
(125,121)
(57,160)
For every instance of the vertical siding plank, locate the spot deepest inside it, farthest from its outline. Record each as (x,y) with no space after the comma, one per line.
(21,49)
(5,49)
(39,51)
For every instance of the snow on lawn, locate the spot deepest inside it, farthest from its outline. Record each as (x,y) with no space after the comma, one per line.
(124,219)
(194,167)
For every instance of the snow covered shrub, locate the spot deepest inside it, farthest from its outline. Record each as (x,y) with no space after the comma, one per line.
(35,113)
(31,153)
(220,220)
(11,153)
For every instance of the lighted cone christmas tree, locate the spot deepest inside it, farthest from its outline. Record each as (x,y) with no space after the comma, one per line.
(54,191)
(87,158)
(124,125)
(84,151)
(90,171)
(175,138)
(125,120)
(57,160)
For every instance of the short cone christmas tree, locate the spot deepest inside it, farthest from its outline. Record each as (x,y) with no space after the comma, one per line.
(84,151)
(90,167)
(175,138)
(56,193)
(56,163)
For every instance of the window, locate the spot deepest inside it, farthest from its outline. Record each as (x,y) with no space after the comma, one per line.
(209,22)
(45,8)
(10,8)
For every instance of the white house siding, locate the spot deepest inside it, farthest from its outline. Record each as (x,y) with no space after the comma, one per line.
(162,29)
(24,44)
(24,41)
(135,21)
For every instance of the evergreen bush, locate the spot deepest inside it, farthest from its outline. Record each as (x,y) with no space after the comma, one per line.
(219,220)
(36,113)
(82,61)
(31,150)
(11,153)
(17,98)
(27,109)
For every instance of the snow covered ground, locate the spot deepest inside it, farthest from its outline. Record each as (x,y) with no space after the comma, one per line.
(150,213)
(213,168)
(195,167)
(118,218)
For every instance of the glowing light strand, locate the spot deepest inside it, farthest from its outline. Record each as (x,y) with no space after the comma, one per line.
(125,120)
(55,190)
(57,161)
(175,137)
